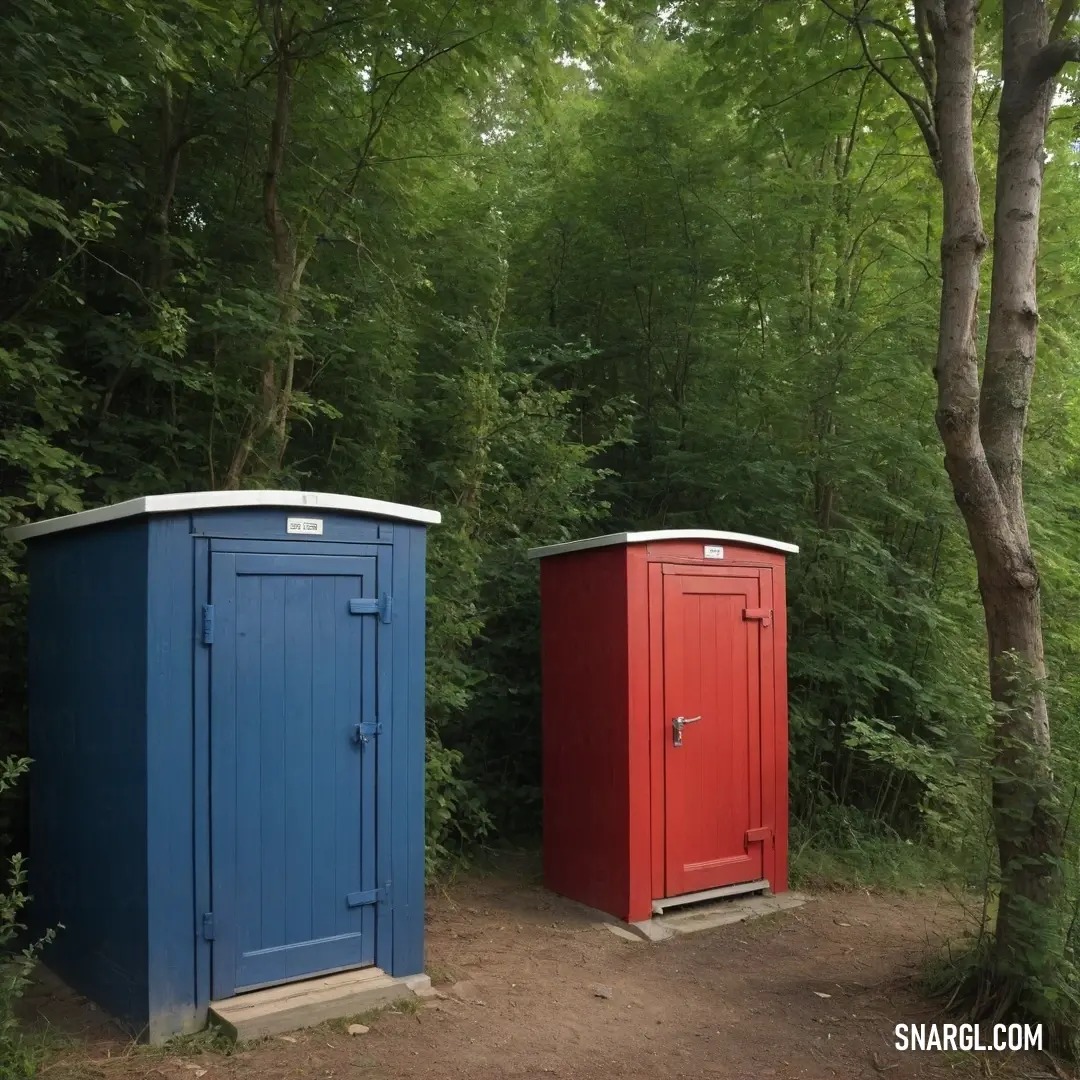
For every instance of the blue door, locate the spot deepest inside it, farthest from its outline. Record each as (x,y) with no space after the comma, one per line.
(292,726)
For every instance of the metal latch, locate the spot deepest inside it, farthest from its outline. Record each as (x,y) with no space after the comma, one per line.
(762,615)
(383,607)
(368,896)
(363,733)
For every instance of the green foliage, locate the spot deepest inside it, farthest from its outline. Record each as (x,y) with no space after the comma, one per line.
(457,818)
(514,476)
(17,960)
(847,848)
(950,789)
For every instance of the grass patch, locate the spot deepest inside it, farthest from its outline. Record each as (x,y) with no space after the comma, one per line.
(441,976)
(844,853)
(407,1006)
(211,1040)
(24,1054)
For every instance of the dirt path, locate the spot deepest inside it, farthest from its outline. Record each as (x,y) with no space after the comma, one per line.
(812,993)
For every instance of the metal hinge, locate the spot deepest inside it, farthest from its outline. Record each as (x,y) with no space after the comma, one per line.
(208,624)
(383,607)
(764,615)
(208,926)
(369,896)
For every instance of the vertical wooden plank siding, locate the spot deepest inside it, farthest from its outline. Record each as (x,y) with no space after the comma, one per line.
(170,764)
(637,734)
(658,733)
(585,717)
(224,846)
(779,876)
(201,948)
(406,827)
(88,740)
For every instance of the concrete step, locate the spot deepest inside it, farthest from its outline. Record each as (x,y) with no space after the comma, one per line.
(660,907)
(278,1009)
(707,916)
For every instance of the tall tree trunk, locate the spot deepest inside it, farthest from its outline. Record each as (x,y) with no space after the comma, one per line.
(982,426)
(1028,832)
(982,429)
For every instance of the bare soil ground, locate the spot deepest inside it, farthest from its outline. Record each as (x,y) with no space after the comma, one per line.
(811,993)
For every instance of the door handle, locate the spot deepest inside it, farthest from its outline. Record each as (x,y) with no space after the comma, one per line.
(678,724)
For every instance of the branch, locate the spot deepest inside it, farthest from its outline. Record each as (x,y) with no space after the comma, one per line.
(989,105)
(933,12)
(1042,68)
(914,60)
(379,113)
(810,86)
(426,58)
(921,111)
(926,44)
(1062,19)
(1050,59)
(855,124)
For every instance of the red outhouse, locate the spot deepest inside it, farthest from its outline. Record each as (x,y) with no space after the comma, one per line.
(664,718)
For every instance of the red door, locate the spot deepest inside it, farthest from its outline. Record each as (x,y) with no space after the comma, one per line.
(712,726)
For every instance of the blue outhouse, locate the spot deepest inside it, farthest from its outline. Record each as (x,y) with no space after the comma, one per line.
(227,733)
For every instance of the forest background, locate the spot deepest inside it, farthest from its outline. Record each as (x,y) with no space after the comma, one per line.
(552,267)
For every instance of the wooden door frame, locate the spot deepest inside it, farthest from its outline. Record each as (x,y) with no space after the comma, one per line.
(391,674)
(773,718)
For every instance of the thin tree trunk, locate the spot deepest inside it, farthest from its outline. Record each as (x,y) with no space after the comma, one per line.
(269,417)
(172,143)
(157,266)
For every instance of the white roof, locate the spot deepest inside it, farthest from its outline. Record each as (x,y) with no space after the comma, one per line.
(613,539)
(222,500)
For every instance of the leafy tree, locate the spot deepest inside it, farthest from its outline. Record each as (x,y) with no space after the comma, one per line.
(982,421)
